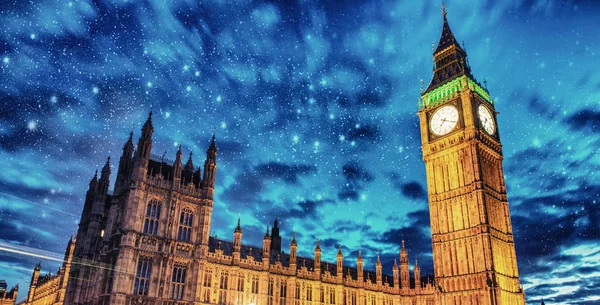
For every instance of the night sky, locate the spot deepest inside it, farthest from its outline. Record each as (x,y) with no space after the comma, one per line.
(314,107)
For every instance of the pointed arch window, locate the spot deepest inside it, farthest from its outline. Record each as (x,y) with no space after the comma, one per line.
(152,217)
(142,276)
(178,282)
(186,219)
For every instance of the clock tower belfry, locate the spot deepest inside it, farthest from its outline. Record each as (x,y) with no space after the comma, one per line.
(473,246)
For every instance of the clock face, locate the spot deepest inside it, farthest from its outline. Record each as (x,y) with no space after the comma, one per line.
(486,119)
(444,120)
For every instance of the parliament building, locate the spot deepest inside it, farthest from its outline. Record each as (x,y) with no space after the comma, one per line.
(148,241)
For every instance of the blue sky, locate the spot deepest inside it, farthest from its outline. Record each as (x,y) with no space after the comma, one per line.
(314,106)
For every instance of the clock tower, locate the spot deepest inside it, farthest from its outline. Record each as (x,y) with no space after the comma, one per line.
(473,246)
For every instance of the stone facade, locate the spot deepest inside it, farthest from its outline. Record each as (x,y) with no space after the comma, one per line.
(8,297)
(148,242)
(473,245)
(51,288)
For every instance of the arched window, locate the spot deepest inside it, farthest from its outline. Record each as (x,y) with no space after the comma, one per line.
(142,276)
(152,217)
(186,219)
(178,282)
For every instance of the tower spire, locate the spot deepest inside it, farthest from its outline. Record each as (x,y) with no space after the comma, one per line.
(450,58)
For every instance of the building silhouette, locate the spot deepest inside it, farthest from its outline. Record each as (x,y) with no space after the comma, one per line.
(148,242)
(8,297)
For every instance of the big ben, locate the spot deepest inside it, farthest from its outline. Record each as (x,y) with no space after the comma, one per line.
(473,246)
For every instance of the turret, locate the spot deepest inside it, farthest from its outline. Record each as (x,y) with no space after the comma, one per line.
(237,243)
(395,274)
(378,273)
(404,275)
(317,266)
(177,167)
(340,264)
(104,182)
(144,147)
(417,273)
(33,285)
(275,238)
(189,166)
(125,165)
(293,249)
(266,249)
(210,169)
(90,196)
(359,267)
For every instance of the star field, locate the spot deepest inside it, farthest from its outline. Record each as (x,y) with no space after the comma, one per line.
(314,109)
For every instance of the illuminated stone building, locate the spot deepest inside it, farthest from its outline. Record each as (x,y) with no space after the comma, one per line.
(8,297)
(473,247)
(51,288)
(148,242)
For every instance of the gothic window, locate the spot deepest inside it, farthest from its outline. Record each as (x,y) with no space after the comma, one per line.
(224,279)
(207,278)
(223,287)
(309,293)
(283,293)
(178,282)
(207,282)
(322,290)
(255,284)
(142,276)
(240,286)
(353,298)
(184,233)
(152,217)
(270,289)
(331,295)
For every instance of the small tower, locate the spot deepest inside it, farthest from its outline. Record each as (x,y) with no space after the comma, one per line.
(34,279)
(275,238)
(317,266)
(266,249)
(104,182)
(144,148)
(189,165)
(404,275)
(395,274)
(125,165)
(378,273)
(237,243)
(293,256)
(340,264)
(359,267)
(417,272)
(210,169)
(177,168)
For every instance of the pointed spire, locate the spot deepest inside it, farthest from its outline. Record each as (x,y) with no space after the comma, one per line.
(378,259)
(447,38)
(94,180)
(360,255)
(267,235)
(128,147)
(148,128)
(239,227)
(189,166)
(106,168)
(318,247)
(213,144)
(293,242)
(339,250)
(395,264)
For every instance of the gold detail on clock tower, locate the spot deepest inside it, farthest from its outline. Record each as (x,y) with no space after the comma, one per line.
(473,247)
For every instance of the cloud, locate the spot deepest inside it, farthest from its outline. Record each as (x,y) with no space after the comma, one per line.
(584,120)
